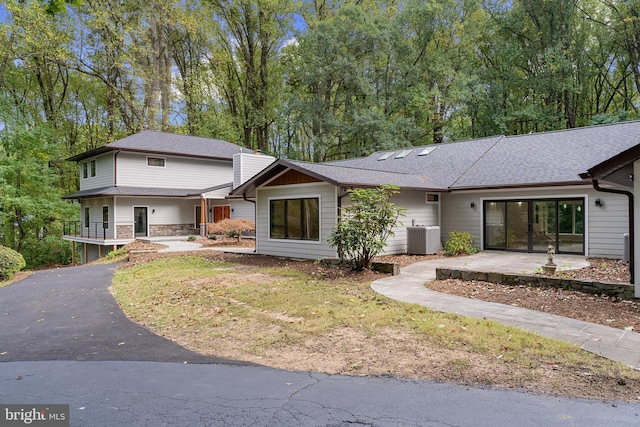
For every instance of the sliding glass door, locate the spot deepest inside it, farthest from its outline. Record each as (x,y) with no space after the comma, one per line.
(533,225)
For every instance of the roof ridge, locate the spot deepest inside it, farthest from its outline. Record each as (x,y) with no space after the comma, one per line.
(329,164)
(588,127)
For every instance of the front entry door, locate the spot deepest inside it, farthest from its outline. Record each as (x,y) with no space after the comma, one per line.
(533,225)
(221,212)
(140,218)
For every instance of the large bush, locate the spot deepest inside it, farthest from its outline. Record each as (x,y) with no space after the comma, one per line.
(50,250)
(10,263)
(365,225)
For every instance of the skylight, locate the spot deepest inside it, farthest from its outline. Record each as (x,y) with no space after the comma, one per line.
(385,156)
(427,150)
(404,153)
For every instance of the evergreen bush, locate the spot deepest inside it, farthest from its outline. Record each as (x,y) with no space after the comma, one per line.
(460,243)
(10,263)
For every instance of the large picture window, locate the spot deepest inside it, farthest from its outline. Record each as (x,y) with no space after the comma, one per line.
(296,219)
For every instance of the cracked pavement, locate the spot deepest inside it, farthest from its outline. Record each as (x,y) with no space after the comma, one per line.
(60,342)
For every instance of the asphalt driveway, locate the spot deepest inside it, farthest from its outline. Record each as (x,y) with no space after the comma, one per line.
(69,314)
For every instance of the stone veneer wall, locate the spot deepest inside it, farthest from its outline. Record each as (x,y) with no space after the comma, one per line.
(173,230)
(620,290)
(124,232)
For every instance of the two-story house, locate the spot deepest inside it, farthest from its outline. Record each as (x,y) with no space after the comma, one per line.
(155,184)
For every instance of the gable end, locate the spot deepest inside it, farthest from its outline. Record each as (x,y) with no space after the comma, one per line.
(292,177)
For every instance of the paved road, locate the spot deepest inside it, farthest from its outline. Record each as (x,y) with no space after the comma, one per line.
(69,314)
(170,394)
(64,340)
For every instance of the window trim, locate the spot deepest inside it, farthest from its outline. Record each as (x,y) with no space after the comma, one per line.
(93,167)
(85,170)
(290,240)
(164,162)
(87,216)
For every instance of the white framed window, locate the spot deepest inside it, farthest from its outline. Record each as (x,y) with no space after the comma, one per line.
(85,170)
(158,162)
(86,216)
(93,168)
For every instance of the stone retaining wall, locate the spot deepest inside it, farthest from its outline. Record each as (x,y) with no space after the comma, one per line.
(620,290)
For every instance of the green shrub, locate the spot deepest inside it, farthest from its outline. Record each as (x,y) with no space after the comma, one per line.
(117,253)
(10,263)
(191,238)
(459,243)
(51,250)
(365,225)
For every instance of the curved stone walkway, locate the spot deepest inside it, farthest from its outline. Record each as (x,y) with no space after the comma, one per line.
(615,344)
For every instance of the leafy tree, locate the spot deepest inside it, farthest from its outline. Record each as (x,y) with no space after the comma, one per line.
(31,207)
(246,52)
(365,225)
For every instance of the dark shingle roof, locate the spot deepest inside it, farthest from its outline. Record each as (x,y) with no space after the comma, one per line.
(349,175)
(135,191)
(443,165)
(150,141)
(548,158)
(551,157)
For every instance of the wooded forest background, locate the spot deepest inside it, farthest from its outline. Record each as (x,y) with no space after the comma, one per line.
(303,79)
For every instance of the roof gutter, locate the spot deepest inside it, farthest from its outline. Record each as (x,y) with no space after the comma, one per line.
(629,194)
(115,168)
(255,215)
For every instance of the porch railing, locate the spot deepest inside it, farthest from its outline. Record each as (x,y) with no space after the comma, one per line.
(94,230)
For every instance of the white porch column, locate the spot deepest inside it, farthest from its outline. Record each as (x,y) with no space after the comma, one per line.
(636,220)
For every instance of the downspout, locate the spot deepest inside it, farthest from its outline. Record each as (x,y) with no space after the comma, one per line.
(115,168)
(629,194)
(255,215)
(340,197)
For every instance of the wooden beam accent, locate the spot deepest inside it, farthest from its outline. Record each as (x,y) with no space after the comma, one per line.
(293,177)
(203,217)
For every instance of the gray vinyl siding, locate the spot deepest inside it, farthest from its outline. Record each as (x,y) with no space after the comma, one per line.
(104,172)
(241,209)
(178,172)
(604,226)
(246,166)
(297,248)
(607,224)
(167,210)
(457,215)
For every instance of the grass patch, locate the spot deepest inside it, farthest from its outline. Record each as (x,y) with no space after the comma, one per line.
(250,313)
